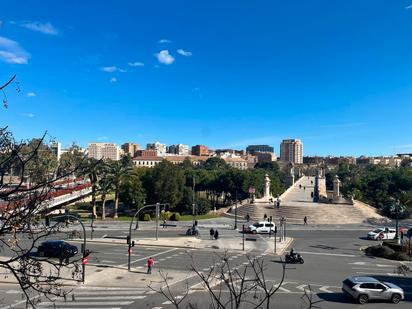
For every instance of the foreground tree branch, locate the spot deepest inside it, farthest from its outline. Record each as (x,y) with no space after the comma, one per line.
(28,181)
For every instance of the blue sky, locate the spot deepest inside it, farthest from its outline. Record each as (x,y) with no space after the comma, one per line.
(337,74)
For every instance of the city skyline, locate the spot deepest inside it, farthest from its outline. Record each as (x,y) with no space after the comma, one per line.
(223,75)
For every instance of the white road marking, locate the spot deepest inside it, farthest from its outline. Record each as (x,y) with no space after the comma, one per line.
(357,263)
(151,292)
(302,287)
(104,288)
(99,297)
(106,293)
(85,303)
(330,254)
(168,302)
(13,292)
(153,255)
(325,289)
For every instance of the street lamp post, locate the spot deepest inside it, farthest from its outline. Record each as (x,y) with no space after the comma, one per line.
(397,202)
(236,210)
(193,203)
(129,237)
(66,216)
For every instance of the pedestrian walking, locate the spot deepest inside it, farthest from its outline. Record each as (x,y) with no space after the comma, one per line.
(304,188)
(195,222)
(164,224)
(216,234)
(212,233)
(300,186)
(150,263)
(265,217)
(305,220)
(247,217)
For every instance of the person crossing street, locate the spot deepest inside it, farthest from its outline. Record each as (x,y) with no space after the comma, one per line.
(150,263)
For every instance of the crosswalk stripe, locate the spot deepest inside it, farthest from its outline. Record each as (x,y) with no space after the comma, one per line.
(103,288)
(86,303)
(109,297)
(75,293)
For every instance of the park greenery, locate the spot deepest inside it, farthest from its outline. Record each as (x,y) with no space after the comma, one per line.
(377,185)
(212,184)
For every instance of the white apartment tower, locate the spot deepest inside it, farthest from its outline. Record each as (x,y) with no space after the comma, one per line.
(291,150)
(104,151)
(178,149)
(159,147)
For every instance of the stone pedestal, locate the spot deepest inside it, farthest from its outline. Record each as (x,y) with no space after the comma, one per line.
(336,188)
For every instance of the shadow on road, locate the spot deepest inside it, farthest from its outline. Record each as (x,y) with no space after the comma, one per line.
(334,297)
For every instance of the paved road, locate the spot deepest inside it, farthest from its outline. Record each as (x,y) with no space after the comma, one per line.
(330,256)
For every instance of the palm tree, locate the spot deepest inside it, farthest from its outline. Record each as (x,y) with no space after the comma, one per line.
(93,169)
(117,170)
(105,185)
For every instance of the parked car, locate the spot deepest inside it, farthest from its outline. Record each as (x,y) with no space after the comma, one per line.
(382,233)
(56,249)
(363,289)
(261,227)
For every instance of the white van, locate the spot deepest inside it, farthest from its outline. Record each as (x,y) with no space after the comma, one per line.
(262,227)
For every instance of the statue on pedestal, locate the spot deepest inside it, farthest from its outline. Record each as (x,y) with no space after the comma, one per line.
(266,192)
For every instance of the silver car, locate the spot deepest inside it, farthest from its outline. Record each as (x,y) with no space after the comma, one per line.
(363,289)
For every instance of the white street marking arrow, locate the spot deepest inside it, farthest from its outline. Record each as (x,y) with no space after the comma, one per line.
(325,289)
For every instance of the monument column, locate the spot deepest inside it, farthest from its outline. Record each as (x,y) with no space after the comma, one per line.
(266,192)
(336,187)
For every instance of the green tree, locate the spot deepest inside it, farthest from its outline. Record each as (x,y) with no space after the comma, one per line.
(117,170)
(131,190)
(165,184)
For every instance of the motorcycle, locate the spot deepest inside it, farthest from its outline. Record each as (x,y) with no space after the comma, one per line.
(294,259)
(193,231)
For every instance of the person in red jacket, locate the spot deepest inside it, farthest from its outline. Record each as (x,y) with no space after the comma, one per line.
(150,263)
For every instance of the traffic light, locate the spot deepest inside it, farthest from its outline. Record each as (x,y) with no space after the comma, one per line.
(128,240)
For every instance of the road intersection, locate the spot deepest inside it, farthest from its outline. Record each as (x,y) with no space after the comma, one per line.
(330,256)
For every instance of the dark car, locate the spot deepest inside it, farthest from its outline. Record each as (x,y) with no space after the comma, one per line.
(57,249)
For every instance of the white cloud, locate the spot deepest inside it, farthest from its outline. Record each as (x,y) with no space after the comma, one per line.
(408,7)
(30,115)
(101,138)
(46,28)
(164,41)
(12,52)
(165,57)
(31,94)
(113,80)
(112,69)
(109,69)
(184,52)
(136,64)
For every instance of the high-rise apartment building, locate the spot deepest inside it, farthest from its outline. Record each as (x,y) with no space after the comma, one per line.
(252,149)
(160,148)
(200,150)
(103,151)
(130,148)
(178,149)
(291,150)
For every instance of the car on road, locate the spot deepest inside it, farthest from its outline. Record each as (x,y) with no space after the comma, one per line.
(56,249)
(363,289)
(261,227)
(382,233)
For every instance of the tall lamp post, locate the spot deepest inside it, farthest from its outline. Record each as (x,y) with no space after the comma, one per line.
(236,210)
(193,203)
